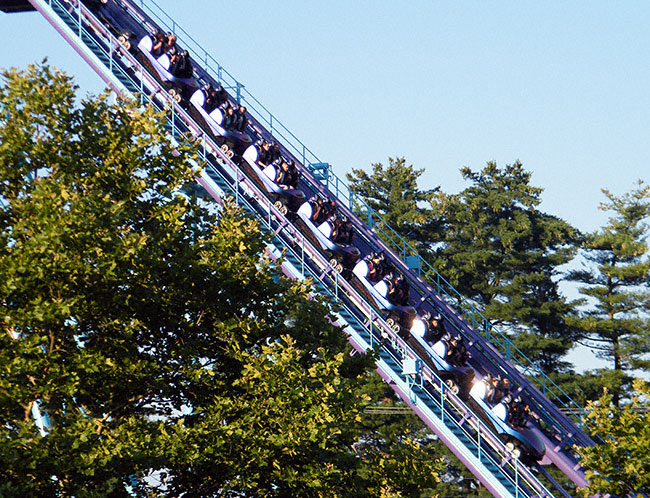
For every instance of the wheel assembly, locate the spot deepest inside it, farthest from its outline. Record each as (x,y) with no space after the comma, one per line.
(281,206)
(452,386)
(124,41)
(175,95)
(513,448)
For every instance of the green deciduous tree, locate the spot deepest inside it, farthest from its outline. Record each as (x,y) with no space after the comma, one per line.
(170,356)
(287,432)
(615,283)
(619,466)
(389,428)
(504,253)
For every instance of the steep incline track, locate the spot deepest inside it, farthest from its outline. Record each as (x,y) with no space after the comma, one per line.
(94,30)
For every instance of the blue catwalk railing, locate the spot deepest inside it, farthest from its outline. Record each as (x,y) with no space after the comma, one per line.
(375,222)
(474,319)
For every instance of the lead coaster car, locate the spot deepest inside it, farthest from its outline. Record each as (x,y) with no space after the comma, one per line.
(341,256)
(178,88)
(113,14)
(398,316)
(231,142)
(523,442)
(285,200)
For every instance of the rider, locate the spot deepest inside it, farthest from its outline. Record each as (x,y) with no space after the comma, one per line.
(322,210)
(180,64)
(518,412)
(163,44)
(228,115)
(435,328)
(158,43)
(398,293)
(343,232)
(263,153)
(287,176)
(241,121)
(498,389)
(214,97)
(275,152)
(185,69)
(348,233)
(377,267)
(457,354)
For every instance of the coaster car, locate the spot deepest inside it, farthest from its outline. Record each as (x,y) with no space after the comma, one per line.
(379,291)
(232,142)
(341,255)
(521,440)
(161,66)
(441,357)
(285,199)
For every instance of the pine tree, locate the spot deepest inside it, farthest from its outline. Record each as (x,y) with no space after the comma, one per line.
(502,252)
(614,280)
(392,191)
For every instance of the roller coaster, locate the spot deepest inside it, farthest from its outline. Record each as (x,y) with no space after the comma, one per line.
(483,398)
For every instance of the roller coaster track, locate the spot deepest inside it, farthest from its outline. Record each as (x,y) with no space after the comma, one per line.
(455,423)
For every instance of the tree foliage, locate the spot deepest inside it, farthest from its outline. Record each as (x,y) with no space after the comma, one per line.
(392,191)
(504,253)
(169,355)
(615,285)
(431,470)
(619,466)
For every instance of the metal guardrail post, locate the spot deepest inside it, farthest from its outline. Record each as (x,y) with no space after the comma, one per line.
(336,286)
(516,460)
(478,430)
(111,52)
(237,188)
(239,89)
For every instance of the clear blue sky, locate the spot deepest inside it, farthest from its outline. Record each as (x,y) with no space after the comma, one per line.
(562,86)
